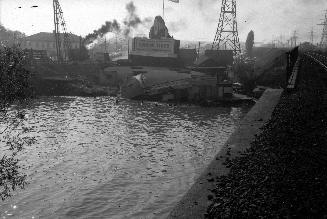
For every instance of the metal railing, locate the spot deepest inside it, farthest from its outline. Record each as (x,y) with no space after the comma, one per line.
(293,78)
(318,58)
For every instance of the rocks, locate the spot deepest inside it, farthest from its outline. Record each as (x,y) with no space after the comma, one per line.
(284,173)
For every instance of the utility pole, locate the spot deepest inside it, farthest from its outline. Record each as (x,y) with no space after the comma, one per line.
(105,45)
(281,41)
(311,36)
(116,43)
(293,39)
(226,37)
(323,41)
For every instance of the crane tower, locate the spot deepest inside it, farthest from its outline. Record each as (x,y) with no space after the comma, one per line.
(226,37)
(63,45)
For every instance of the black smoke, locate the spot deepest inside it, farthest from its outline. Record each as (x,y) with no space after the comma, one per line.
(132,20)
(109,26)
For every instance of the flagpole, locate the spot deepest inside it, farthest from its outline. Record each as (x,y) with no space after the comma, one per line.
(163,9)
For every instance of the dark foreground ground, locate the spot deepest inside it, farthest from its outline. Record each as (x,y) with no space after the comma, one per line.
(284,173)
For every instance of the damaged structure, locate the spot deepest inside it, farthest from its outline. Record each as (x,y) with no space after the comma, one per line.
(161,71)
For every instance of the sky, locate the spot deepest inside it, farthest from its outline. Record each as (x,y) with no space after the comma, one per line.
(194,20)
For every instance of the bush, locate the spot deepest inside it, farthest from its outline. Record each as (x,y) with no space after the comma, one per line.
(14,88)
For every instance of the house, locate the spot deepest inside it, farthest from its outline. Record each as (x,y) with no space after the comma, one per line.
(46,41)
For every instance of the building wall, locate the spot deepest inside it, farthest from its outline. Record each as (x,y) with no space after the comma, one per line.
(155,47)
(49,46)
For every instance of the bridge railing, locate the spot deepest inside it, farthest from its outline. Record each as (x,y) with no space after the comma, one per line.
(294,75)
(319,59)
(293,67)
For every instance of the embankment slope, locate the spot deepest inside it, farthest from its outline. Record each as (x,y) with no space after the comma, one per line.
(195,203)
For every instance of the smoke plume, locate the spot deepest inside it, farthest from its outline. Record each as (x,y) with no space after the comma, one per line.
(132,20)
(109,26)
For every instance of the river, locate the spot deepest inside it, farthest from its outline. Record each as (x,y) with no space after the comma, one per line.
(97,159)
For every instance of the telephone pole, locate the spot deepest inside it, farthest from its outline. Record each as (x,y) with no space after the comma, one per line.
(226,37)
(293,39)
(323,41)
(311,36)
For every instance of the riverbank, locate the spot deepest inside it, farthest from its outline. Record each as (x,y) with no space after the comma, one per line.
(283,174)
(194,204)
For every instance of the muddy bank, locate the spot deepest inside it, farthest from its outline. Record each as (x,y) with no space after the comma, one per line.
(70,87)
(86,79)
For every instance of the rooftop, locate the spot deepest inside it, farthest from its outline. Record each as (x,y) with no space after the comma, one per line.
(49,37)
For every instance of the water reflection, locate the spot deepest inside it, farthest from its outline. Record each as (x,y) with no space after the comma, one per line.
(95,158)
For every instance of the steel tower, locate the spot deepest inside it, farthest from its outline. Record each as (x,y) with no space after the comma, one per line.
(226,37)
(63,45)
(323,41)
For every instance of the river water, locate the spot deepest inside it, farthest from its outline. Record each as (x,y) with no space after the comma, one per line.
(97,159)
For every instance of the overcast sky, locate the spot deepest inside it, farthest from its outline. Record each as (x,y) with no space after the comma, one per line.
(189,20)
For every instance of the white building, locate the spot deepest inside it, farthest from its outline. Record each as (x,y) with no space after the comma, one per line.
(46,41)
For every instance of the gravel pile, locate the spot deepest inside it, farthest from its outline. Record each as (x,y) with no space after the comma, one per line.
(284,173)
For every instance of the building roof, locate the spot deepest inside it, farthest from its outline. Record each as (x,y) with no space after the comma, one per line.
(49,37)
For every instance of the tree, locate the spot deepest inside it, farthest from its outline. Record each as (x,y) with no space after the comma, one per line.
(9,37)
(244,72)
(249,44)
(14,88)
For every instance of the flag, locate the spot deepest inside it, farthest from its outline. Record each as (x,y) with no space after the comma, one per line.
(176,1)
